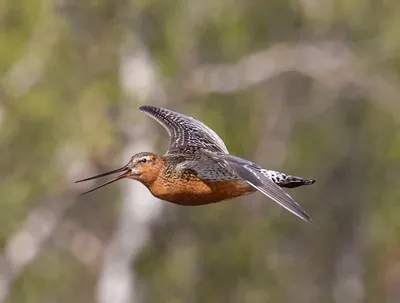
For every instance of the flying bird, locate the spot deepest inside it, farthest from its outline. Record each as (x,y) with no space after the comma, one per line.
(198,169)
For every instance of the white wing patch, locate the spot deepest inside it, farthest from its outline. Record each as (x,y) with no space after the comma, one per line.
(275,176)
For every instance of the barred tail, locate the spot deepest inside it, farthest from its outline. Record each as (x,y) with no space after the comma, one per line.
(284,180)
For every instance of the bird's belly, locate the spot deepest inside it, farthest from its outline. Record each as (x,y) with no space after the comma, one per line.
(200,192)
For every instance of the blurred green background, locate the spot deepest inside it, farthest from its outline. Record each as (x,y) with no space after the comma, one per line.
(308,87)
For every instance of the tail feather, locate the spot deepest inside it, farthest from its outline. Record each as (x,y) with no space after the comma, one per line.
(285,180)
(253,175)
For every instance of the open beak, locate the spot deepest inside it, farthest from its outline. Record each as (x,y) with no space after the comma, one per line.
(125,170)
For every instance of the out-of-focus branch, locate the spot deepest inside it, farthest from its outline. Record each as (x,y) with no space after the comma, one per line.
(333,64)
(323,61)
(30,68)
(26,244)
(118,283)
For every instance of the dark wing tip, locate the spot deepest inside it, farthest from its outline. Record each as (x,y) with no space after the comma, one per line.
(148,108)
(307,218)
(251,173)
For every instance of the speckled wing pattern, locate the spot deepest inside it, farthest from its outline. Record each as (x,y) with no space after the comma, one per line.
(261,180)
(211,160)
(285,180)
(254,175)
(207,168)
(185,131)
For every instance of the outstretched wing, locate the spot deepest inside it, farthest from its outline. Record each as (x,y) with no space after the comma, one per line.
(253,175)
(185,131)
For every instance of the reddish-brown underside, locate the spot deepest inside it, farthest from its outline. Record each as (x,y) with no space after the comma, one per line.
(185,188)
(198,192)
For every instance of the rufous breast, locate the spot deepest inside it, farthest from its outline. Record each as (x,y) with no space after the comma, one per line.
(192,191)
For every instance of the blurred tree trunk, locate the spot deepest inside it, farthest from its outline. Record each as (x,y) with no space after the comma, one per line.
(345,204)
(118,281)
(351,175)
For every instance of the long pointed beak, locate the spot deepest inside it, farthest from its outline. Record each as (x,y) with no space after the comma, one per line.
(126,174)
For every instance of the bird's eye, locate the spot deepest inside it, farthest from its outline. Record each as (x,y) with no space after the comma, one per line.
(143,160)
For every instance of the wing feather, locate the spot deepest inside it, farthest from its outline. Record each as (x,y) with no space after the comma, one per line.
(253,175)
(185,131)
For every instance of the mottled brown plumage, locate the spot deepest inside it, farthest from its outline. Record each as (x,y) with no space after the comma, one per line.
(186,188)
(198,169)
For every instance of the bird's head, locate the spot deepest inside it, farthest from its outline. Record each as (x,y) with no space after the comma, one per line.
(143,167)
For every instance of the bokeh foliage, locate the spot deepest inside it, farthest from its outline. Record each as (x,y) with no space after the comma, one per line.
(60,109)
